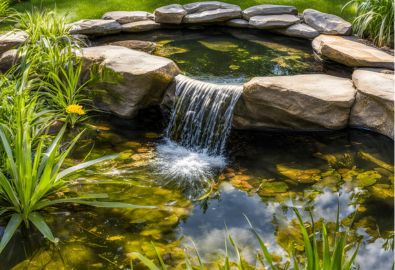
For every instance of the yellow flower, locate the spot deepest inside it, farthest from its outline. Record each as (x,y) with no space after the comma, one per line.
(76,109)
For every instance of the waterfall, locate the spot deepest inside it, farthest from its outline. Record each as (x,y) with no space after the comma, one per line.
(202,115)
(192,152)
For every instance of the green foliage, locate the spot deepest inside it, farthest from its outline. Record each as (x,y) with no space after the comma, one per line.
(50,52)
(375,20)
(4,8)
(331,256)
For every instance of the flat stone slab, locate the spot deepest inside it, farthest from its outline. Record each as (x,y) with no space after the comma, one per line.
(238,23)
(273,21)
(260,10)
(299,30)
(139,79)
(215,15)
(199,7)
(124,17)
(172,14)
(139,45)
(140,26)
(11,40)
(95,27)
(300,102)
(327,23)
(350,52)
(374,104)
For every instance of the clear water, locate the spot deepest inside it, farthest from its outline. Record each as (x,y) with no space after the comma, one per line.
(266,173)
(229,55)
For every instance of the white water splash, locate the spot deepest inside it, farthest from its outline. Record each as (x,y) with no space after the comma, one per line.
(189,170)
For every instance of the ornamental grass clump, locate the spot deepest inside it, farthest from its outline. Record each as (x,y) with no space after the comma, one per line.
(375,20)
(33,176)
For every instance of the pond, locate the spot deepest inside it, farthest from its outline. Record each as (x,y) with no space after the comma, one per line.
(265,174)
(228,55)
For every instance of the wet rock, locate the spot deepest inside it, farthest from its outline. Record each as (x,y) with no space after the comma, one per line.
(172,14)
(216,15)
(299,30)
(273,21)
(238,23)
(327,23)
(260,10)
(12,40)
(124,17)
(374,103)
(96,27)
(348,51)
(8,59)
(300,102)
(140,26)
(140,45)
(141,78)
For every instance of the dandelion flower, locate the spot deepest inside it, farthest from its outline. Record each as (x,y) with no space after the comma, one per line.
(75,109)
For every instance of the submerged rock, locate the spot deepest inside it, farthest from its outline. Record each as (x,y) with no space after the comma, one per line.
(326,23)
(348,51)
(172,14)
(260,10)
(300,102)
(124,17)
(141,78)
(374,103)
(273,21)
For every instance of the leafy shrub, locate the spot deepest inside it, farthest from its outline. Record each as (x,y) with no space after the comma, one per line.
(375,20)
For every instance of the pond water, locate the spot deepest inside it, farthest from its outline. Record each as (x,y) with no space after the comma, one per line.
(229,55)
(266,173)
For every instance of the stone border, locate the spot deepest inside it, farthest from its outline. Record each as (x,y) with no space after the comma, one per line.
(365,101)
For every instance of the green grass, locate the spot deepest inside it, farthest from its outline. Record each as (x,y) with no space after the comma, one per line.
(86,9)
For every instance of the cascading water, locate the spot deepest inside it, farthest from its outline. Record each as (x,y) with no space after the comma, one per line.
(197,132)
(202,116)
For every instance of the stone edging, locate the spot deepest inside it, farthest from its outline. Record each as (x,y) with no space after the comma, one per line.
(267,102)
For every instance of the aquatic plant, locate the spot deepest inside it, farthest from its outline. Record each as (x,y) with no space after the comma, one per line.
(33,176)
(331,256)
(375,20)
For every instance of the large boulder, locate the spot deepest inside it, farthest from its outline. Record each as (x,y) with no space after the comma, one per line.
(260,10)
(327,23)
(96,27)
(300,102)
(12,40)
(210,11)
(299,30)
(124,17)
(350,52)
(140,26)
(172,14)
(374,103)
(138,79)
(273,21)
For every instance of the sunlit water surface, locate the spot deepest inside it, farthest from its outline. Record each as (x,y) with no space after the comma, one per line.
(266,173)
